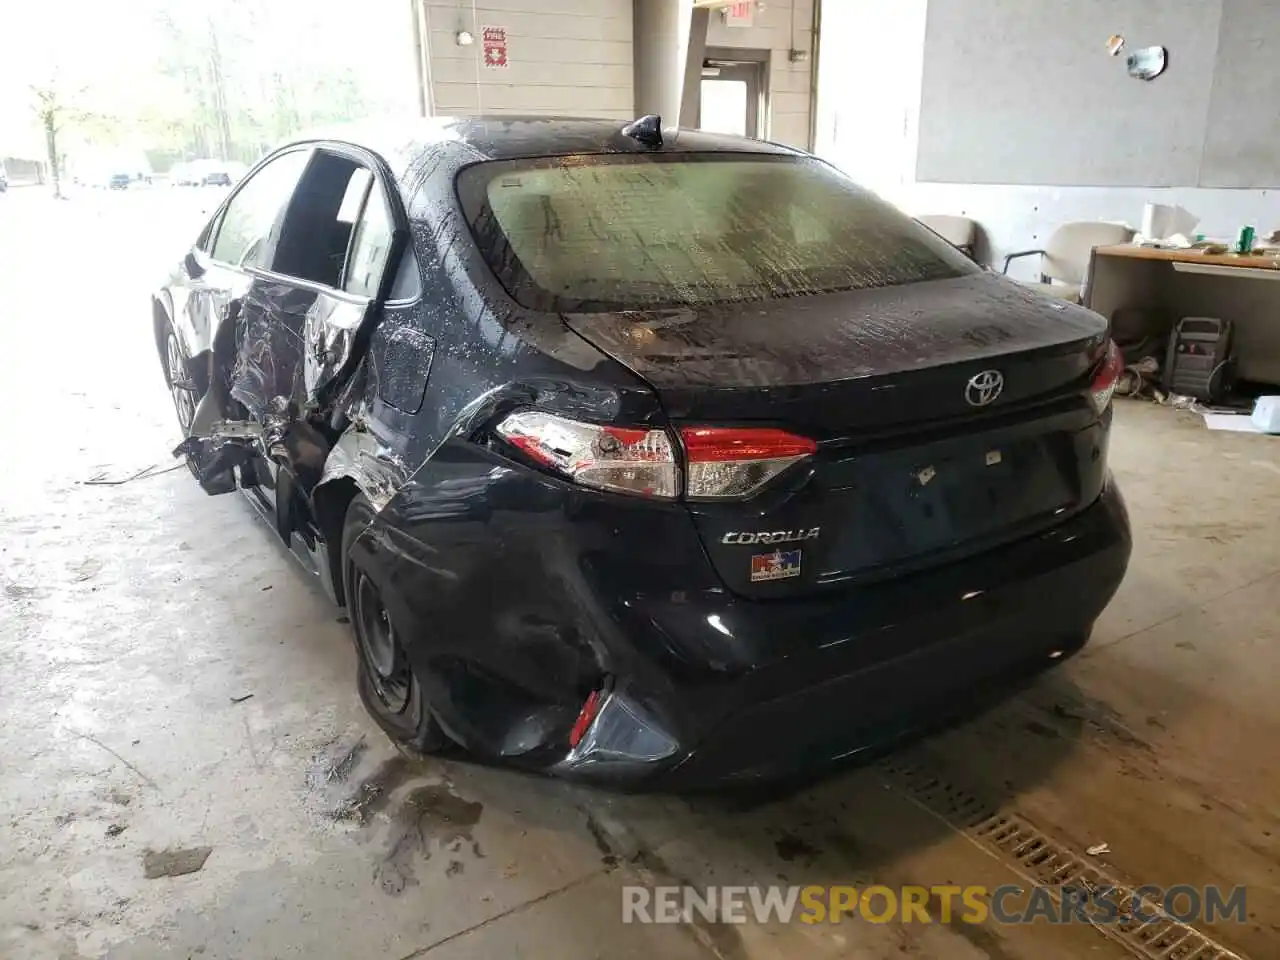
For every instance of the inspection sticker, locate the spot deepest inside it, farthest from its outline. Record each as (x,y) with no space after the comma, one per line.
(779,565)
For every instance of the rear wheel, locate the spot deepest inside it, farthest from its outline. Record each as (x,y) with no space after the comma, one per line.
(388,687)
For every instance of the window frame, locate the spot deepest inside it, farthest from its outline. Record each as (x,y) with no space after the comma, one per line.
(391,268)
(213,229)
(384,180)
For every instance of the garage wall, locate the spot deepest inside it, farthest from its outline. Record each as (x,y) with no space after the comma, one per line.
(992,68)
(1019,94)
(854,122)
(564,57)
(781,26)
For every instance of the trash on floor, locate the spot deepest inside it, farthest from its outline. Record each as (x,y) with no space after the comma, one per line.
(1098,849)
(1265,417)
(103,479)
(1141,378)
(174,862)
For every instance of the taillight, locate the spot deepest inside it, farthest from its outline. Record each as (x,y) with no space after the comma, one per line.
(585,718)
(732,462)
(1104,383)
(721,463)
(622,459)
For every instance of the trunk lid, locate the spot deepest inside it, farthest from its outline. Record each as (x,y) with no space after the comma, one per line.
(909,471)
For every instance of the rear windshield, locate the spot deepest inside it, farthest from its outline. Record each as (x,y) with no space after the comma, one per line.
(591,233)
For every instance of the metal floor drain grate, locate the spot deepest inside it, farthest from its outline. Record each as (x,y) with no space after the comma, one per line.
(1044,860)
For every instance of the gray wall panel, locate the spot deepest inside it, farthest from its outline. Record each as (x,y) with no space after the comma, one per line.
(1242,144)
(1021,92)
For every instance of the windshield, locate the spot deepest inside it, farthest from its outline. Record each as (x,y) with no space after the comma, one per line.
(616,232)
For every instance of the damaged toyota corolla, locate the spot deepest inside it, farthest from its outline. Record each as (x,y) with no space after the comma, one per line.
(644,455)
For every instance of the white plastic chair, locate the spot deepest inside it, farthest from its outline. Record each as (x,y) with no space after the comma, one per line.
(1065,258)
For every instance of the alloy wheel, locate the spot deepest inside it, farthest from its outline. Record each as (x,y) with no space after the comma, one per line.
(180,386)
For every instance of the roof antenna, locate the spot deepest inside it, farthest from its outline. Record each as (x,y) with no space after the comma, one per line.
(647,130)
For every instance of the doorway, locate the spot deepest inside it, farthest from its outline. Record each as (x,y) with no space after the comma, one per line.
(731,94)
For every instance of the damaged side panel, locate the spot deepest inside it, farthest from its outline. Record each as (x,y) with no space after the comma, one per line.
(277,356)
(492,590)
(497,571)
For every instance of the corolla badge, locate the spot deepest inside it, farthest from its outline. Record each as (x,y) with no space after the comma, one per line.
(984,387)
(775,536)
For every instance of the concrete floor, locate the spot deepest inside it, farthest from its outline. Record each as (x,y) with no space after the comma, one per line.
(136,617)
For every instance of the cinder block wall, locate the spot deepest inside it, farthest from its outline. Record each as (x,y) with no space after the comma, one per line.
(563,57)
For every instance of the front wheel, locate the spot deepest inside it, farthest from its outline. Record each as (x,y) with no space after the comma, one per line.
(182,387)
(388,687)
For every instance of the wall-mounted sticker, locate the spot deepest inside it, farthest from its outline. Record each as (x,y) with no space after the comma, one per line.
(495,47)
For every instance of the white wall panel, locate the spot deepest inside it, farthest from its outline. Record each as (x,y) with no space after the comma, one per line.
(567,57)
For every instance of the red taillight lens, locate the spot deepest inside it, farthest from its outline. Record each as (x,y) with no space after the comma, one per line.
(621,459)
(585,718)
(723,463)
(1104,383)
(733,462)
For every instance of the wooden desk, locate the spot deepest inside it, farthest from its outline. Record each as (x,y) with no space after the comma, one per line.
(1146,290)
(1268,261)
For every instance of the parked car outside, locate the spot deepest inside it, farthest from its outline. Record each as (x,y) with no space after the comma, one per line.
(206,173)
(647,456)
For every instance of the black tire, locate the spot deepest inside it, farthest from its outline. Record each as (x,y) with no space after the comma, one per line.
(186,397)
(388,686)
(177,374)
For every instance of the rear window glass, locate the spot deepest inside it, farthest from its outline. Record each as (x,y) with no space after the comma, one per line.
(602,233)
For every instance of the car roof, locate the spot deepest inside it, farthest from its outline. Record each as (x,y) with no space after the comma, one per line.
(507,137)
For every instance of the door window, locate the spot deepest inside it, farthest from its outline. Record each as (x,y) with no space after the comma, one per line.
(253,210)
(370,246)
(338,229)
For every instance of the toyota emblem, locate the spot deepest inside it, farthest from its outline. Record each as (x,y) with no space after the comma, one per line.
(984,387)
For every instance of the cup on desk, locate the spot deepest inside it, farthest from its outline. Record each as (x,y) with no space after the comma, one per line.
(1244,243)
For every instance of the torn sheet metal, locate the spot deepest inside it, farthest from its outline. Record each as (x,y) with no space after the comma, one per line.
(376,469)
(229,444)
(268,358)
(329,331)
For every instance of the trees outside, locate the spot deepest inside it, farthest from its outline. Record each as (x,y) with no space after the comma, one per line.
(173,80)
(54,110)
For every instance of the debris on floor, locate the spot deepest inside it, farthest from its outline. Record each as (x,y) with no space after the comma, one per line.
(1098,849)
(174,862)
(242,698)
(1141,379)
(103,479)
(87,570)
(1265,417)
(334,763)
(116,829)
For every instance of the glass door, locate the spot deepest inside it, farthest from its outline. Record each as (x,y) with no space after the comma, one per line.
(730,98)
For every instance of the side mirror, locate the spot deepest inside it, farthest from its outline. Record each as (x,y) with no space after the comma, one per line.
(192,265)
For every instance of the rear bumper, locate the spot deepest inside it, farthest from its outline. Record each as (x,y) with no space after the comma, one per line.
(794,685)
